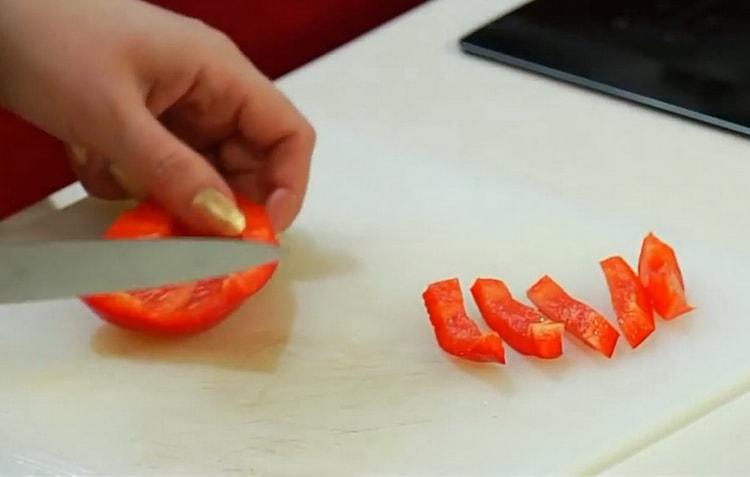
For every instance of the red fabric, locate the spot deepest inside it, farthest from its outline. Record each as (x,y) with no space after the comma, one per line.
(278,36)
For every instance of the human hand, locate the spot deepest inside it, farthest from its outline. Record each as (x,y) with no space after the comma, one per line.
(155,104)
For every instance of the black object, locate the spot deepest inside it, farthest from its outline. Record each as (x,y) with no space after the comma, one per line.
(688,57)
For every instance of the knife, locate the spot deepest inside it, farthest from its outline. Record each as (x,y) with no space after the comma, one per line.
(45,270)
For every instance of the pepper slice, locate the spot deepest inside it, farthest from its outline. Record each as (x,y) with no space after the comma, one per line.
(521,326)
(456,332)
(629,300)
(584,322)
(661,277)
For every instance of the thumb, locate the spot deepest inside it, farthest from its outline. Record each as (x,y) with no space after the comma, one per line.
(148,158)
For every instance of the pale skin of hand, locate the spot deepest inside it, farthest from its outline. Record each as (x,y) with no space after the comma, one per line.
(155,104)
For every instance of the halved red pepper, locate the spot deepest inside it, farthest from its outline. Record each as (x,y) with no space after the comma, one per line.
(661,277)
(521,326)
(184,308)
(629,300)
(456,332)
(584,322)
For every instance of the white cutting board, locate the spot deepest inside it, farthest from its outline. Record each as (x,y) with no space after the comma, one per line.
(445,167)
(334,366)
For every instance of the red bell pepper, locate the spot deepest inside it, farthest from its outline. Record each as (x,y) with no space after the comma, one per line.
(662,278)
(522,327)
(456,332)
(186,308)
(629,300)
(584,322)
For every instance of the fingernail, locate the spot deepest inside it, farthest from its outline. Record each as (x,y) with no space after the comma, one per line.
(79,155)
(281,206)
(221,209)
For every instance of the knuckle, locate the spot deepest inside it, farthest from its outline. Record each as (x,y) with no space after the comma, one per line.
(205,38)
(220,37)
(167,167)
(215,38)
(308,134)
(103,110)
(198,26)
(196,22)
(116,110)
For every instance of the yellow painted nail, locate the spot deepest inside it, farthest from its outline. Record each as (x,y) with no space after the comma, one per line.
(220,208)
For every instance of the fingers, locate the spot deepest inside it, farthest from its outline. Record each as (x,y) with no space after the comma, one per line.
(147,156)
(286,139)
(267,159)
(94,174)
(245,169)
(288,170)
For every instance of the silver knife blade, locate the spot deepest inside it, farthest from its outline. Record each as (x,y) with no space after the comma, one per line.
(43,270)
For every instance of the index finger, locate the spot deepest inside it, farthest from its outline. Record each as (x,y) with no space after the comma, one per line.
(272,124)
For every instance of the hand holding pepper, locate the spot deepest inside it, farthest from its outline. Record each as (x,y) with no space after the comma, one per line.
(155,104)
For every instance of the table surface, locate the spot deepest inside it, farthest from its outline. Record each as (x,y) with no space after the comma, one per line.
(415,61)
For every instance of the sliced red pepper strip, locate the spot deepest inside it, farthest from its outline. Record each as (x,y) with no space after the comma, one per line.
(456,332)
(548,339)
(662,278)
(581,320)
(521,326)
(629,300)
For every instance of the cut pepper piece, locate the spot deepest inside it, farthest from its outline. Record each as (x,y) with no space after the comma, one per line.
(456,332)
(521,326)
(548,339)
(661,276)
(581,320)
(629,300)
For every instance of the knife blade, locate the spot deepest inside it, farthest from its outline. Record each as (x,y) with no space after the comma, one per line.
(44,270)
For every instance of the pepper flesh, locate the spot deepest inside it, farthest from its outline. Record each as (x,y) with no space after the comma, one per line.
(521,326)
(188,308)
(661,276)
(629,300)
(580,319)
(456,333)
